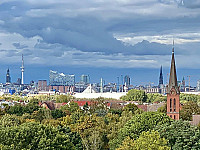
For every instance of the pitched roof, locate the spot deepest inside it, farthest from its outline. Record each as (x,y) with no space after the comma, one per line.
(49,104)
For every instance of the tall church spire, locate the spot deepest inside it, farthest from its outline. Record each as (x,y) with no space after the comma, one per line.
(8,78)
(173,92)
(173,77)
(161,77)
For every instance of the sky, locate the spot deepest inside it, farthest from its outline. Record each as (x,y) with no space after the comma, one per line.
(102,38)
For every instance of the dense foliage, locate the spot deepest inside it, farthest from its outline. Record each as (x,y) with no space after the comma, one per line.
(95,127)
(146,141)
(135,95)
(188,109)
(141,96)
(139,123)
(190,97)
(181,135)
(34,136)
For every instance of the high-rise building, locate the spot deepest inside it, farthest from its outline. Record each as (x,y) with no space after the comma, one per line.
(56,78)
(127,80)
(22,70)
(42,85)
(183,85)
(198,85)
(161,77)
(8,78)
(19,81)
(173,92)
(85,79)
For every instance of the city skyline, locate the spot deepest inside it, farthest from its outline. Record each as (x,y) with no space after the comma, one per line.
(127,37)
(138,76)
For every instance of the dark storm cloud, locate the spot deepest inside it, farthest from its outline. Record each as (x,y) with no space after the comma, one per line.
(84,33)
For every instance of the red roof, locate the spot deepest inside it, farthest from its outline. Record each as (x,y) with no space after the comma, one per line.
(82,103)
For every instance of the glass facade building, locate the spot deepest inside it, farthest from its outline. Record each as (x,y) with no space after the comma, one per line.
(56,78)
(85,79)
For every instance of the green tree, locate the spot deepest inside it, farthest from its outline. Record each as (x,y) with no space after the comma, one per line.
(155,97)
(149,140)
(130,107)
(139,123)
(181,135)
(34,136)
(41,114)
(17,109)
(57,113)
(135,95)
(64,98)
(71,108)
(98,106)
(91,129)
(188,109)
(73,136)
(189,97)
(11,120)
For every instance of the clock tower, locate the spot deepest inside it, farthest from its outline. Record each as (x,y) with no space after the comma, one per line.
(173,92)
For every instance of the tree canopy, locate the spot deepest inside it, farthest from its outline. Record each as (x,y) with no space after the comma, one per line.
(139,123)
(180,134)
(135,95)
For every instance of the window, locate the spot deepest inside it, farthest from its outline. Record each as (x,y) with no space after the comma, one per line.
(174,117)
(170,105)
(170,116)
(174,105)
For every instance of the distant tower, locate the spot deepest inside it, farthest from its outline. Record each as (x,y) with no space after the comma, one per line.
(173,92)
(101,84)
(22,70)
(127,80)
(8,78)
(161,77)
(183,84)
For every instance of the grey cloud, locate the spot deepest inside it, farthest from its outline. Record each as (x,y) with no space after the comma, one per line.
(153,48)
(11,53)
(19,46)
(190,3)
(90,29)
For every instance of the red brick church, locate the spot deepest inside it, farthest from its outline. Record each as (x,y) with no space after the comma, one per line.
(173,92)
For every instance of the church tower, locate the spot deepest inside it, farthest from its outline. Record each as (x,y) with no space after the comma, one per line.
(161,77)
(8,78)
(173,92)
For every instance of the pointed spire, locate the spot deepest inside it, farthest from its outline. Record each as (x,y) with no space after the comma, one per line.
(173,77)
(161,70)
(161,76)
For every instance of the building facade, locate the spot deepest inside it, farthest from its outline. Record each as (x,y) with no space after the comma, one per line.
(173,92)
(61,79)
(198,85)
(85,79)
(127,80)
(42,85)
